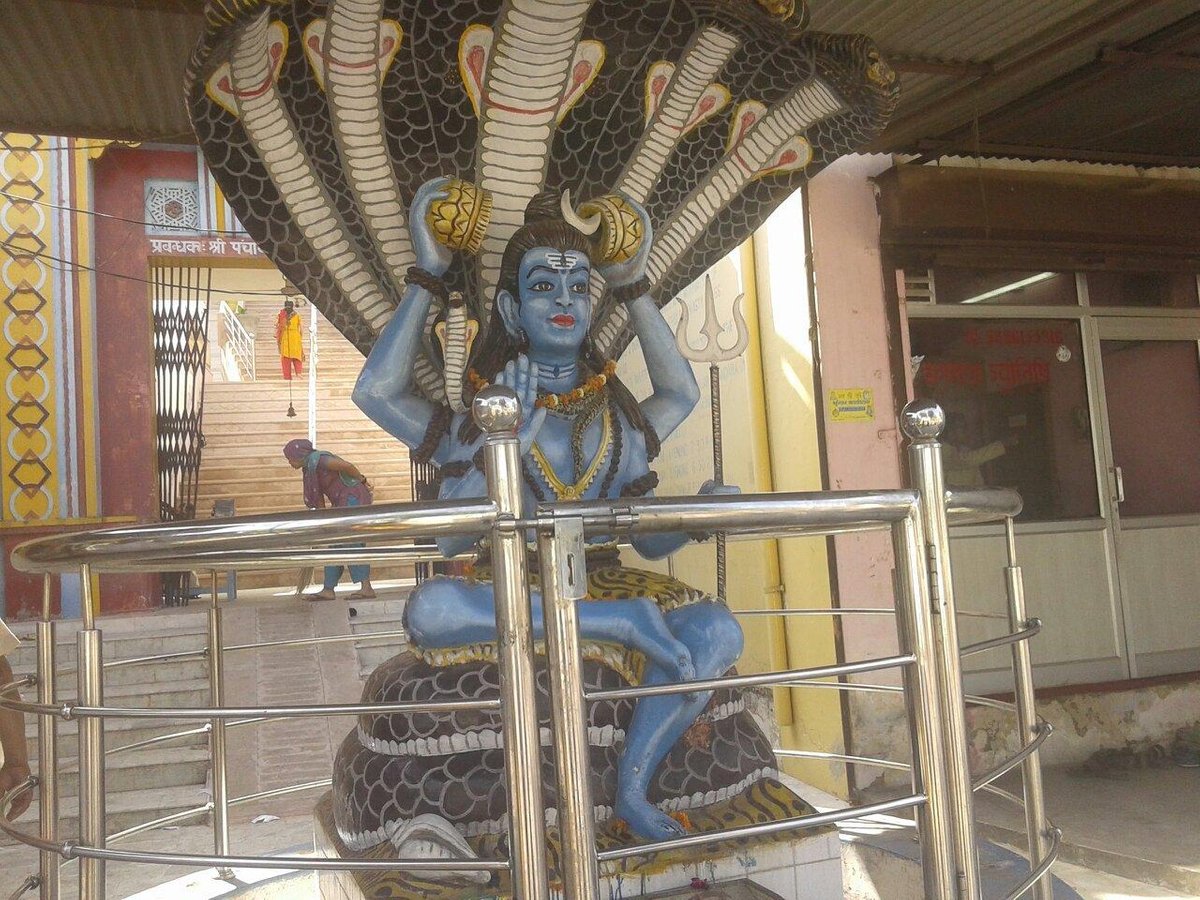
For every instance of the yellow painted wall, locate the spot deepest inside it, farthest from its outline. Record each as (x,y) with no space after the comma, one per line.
(786,327)
(29,432)
(770,443)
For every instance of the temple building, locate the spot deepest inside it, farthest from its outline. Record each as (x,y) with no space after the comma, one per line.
(1015,242)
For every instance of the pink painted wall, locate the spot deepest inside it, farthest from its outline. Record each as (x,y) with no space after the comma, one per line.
(858,343)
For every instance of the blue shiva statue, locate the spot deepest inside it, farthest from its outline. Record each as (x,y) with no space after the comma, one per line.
(583,436)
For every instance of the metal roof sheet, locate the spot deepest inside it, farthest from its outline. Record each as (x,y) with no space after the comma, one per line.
(114,68)
(97,69)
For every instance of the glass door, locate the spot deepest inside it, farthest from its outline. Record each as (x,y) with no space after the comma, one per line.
(1150,383)
(1020,414)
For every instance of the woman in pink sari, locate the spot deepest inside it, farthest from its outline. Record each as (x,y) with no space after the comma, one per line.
(330,478)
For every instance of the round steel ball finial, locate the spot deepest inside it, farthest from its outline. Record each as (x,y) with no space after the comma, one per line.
(922,420)
(496,410)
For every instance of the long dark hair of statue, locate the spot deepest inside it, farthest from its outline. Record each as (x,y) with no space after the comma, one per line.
(545,227)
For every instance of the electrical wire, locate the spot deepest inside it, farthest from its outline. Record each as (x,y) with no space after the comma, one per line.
(67,266)
(127,145)
(17,198)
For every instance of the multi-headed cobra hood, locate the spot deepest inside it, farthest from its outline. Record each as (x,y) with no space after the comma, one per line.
(321,119)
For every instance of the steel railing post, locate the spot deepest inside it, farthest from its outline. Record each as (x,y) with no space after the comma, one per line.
(914,621)
(91,743)
(922,422)
(564,582)
(1027,721)
(498,413)
(47,727)
(217,745)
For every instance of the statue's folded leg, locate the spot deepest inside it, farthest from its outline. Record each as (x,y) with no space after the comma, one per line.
(715,640)
(450,612)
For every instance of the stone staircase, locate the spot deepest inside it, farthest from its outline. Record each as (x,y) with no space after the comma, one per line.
(373,617)
(145,783)
(161,779)
(246,426)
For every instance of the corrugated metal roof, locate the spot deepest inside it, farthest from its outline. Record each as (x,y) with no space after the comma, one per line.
(999,34)
(98,69)
(114,68)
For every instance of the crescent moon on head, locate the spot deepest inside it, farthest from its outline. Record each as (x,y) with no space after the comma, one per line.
(588,226)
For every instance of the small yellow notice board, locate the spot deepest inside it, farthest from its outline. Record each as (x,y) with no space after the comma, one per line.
(851,404)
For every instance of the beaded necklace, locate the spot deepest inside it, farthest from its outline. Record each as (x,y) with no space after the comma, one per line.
(567,398)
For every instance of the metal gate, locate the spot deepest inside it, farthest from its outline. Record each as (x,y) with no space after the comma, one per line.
(180,307)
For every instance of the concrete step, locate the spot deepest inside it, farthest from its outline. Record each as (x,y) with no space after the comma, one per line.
(1134,823)
(263,479)
(117,645)
(288,578)
(121,732)
(129,808)
(156,695)
(289,497)
(378,612)
(371,656)
(166,672)
(378,616)
(331,415)
(263,459)
(237,481)
(281,430)
(186,694)
(144,676)
(231,475)
(140,770)
(329,385)
(271,467)
(285,501)
(380,444)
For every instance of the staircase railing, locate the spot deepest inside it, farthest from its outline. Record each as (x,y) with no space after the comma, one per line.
(237,342)
(929,657)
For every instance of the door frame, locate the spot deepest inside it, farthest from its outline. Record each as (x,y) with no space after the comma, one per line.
(1181,328)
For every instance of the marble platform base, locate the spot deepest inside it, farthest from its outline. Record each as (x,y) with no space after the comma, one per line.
(806,865)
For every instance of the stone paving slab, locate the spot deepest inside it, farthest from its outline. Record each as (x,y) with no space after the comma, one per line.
(1139,824)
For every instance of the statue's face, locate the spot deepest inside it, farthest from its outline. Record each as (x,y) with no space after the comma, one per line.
(554,308)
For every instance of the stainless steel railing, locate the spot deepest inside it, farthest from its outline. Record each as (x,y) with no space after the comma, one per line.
(928,659)
(239,343)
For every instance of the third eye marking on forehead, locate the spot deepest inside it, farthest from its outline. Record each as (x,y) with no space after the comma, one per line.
(562,262)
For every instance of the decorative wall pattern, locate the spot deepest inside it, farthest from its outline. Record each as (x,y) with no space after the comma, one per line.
(172,207)
(28,400)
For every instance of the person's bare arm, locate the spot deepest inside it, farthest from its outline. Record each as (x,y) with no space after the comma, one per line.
(12,742)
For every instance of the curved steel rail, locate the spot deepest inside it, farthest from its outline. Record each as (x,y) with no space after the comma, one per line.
(30,882)
(268,541)
(202,652)
(976,506)
(1032,627)
(72,850)
(113,549)
(1045,729)
(799,677)
(69,711)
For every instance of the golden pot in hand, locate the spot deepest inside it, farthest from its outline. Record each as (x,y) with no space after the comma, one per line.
(620,233)
(460,220)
